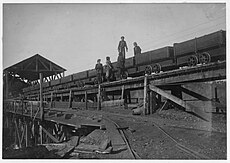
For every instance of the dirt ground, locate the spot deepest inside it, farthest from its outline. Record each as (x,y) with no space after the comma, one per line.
(207,139)
(188,130)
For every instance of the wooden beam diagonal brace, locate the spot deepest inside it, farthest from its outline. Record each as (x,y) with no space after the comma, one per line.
(50,135)
(47,68)
(201,97)
(188,107)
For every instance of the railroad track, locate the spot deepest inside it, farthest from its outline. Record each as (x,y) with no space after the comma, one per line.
(131,151)
(178,145)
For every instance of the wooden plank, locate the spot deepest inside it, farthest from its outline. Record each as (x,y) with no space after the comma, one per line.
(145,96)
(113,103)
(211,75)
(182,103)
(114,135)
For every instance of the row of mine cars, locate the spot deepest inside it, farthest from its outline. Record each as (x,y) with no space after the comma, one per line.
(201,50)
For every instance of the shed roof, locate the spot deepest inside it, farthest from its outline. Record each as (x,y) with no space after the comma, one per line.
(31,67)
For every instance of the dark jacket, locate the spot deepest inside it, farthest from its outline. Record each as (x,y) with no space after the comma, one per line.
(120,62)
(122,45)
(137,50)
(99,68)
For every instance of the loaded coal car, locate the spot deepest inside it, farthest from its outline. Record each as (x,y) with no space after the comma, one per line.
(201,50)
(154,61)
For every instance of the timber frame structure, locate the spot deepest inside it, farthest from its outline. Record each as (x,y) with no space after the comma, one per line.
(60,117)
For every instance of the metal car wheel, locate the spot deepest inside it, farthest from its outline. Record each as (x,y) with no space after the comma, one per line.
(192,60)
(204,58)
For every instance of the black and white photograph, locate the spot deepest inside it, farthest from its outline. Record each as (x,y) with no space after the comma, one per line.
(114,80)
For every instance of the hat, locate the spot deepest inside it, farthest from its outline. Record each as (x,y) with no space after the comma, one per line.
(134,43)
(99,60)
(122,37)
(107,58)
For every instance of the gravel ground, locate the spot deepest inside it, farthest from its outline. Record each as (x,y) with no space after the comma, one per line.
(150,143)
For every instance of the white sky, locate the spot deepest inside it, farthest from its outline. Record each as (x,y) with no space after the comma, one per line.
(75,35)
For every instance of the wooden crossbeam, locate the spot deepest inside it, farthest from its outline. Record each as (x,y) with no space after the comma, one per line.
(50,135)
(188,107)
(17,133)
(145,96)
(201,97)
(44,65)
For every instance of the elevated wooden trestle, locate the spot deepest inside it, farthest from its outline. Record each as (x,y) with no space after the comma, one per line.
(96,97)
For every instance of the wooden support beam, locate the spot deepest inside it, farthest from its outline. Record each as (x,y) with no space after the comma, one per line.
(155,101)
(26,134)
(129,96)
(151,102)
(49,135)
(36,63)
(99,98)
(41,97)
(23,134)
(70,98)
(148,102)
(50,64)
(122,91)
(51,99)
(145,95)
(86,101)
(40,133)
(46,68)
(201,97)
(17,134)
(188,107)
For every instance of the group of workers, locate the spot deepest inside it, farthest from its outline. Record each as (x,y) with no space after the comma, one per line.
(109,75)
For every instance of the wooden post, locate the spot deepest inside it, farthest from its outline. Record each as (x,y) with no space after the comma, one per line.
(129,96)
(148,102)
(41,97)
(154,101)
(159,100)
(51,99)
(40,133)
(151,102)
(86,101)
(26,134)
(145,95)
(99,98)
(122,91)
(70,99)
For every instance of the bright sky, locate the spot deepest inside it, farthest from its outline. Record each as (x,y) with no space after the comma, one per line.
(75,35)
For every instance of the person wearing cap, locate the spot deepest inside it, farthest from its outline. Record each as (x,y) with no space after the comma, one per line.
(136,49)
(122,46)
(108,69)
(99,69)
